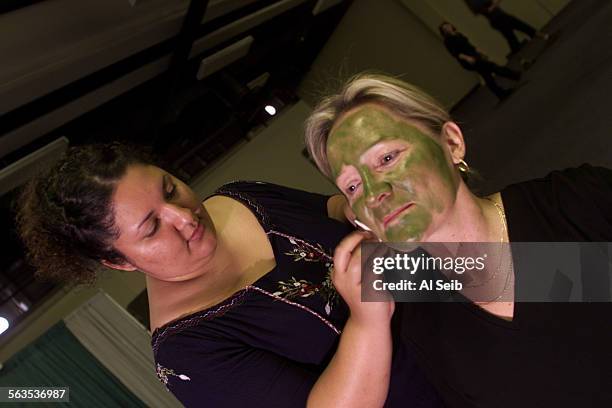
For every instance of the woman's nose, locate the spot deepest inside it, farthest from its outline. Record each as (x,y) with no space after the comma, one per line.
(181,217)
(375,191)
(375,197)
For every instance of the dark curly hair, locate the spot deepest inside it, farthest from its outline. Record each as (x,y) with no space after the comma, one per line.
(65,216)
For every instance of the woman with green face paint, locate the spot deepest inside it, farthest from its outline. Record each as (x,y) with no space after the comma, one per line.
(396,155)
(396,177)
(397,165)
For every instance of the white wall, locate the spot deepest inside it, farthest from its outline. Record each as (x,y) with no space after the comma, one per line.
(274,155)
(400,37)
(384,35)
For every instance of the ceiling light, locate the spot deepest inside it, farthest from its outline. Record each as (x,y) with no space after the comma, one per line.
(4,324)
(270,109)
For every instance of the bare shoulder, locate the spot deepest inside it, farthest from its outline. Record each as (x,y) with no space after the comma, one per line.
(227,212)
(219,202)
(218,199)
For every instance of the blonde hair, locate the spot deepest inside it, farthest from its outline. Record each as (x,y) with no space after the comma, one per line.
(405,100)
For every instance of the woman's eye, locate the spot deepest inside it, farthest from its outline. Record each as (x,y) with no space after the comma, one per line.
(154,229)
(351,189)
(170,194)
(388,158)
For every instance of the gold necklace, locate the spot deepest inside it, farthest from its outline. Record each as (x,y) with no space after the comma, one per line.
(509,273)
(502,218)
(500,211)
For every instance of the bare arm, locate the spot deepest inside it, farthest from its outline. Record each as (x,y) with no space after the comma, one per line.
(359,372)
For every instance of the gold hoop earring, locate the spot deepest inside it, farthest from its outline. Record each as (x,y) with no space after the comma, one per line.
(462,166)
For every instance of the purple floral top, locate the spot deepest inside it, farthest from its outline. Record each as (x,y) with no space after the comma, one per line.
(267,344)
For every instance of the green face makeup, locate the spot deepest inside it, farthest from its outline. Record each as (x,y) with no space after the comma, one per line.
(400,176)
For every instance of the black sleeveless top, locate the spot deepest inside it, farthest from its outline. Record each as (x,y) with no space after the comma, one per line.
(267,344)
(550,354)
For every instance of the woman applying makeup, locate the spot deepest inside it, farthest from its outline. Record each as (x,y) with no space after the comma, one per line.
(242,306)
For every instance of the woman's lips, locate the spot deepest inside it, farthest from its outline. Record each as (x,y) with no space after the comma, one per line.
(392,215)
(197,233)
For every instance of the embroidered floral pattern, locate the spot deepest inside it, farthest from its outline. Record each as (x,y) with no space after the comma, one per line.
(163,373)
(312,312)
(304,251)
(294,288)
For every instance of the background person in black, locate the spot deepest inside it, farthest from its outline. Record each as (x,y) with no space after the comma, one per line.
(503,22)
(472,59)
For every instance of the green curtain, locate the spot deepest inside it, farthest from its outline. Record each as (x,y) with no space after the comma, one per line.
(58,359)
